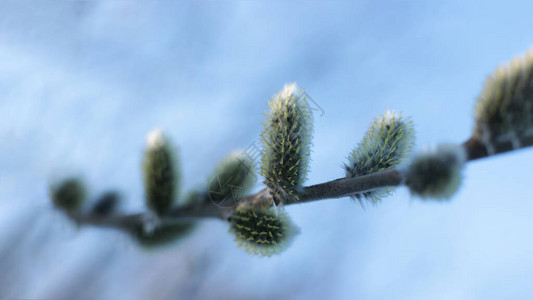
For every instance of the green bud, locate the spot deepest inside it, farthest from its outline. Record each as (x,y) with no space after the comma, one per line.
(68,195)
(262,231)
(436,174)
(107,204)
(233,178)
(504,109)
(286,140)
(161,175)
(387,142)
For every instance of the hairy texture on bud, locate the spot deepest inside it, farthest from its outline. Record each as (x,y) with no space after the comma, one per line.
(286,140)
(232,179)
(436,174)
(262,231)
(161,236)
(161,175)
(68,195)
(387,142)
(107,204)
(504,109)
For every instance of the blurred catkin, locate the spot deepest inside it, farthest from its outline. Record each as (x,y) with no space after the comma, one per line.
(436,174)
(68,194)
(232,179)
(161,174)
(504,109)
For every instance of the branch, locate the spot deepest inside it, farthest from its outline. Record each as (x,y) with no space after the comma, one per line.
(337,188)
(503,122)
(343,187)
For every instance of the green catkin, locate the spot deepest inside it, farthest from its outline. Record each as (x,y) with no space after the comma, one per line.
(286,141)
(68,195)
(387,142)
(233,178)
(161,175)
(161,182)
(436,174)
(504,109)
(263,232)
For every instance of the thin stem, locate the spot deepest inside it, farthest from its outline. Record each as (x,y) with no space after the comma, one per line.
(113,221)
(343,187)
(337,188)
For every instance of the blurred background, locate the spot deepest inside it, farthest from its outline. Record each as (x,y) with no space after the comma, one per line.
(83,82)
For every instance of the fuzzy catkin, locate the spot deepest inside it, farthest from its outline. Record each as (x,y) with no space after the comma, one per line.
(262,231)
(504,109)
(387,142)
(69,194)
(286,140)
(232,179)
(161,175)
(436,174)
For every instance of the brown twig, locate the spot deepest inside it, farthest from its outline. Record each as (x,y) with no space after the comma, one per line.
(338,188)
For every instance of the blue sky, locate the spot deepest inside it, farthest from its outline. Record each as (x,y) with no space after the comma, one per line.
(83,82)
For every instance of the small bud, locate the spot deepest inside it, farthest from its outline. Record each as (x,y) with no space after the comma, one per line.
(107,204)
(504,109)
(436,174)
(68,195)
(262,231)
(286,140)
(161,175)
(232,179)
(161,236)
(387,142)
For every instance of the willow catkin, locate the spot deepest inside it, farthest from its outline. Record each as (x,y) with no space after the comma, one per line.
(437,173)
(161,175)
(387,142)
(504,109)
(232,179)
(286,140)
(262,231)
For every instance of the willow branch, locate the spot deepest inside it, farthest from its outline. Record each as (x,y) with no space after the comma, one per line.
(343,187)
(337,188)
